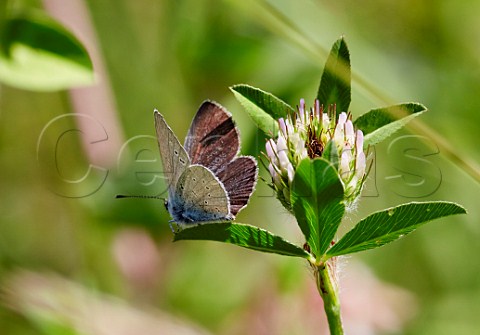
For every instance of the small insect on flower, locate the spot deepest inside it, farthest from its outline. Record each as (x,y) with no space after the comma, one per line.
(312,133)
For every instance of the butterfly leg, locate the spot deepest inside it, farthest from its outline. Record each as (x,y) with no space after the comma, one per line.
(173,224)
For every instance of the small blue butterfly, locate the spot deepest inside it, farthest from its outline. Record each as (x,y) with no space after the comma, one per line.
(207,180)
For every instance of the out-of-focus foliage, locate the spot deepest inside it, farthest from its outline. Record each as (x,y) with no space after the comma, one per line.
(174,54)
(39,54)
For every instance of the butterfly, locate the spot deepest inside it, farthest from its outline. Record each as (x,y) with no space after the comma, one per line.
(207,180)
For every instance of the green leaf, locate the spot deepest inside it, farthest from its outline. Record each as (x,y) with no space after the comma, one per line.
(40,54)
(331,153)
(317,201)
(390,224)
(243,235)
(335,83)
(378,124)
(263,107)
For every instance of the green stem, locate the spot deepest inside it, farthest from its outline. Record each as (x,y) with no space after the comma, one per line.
(331,301)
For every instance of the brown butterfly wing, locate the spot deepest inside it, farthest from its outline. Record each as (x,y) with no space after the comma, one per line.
(212,140)
(239,178)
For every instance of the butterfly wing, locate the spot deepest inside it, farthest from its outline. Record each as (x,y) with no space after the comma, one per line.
(212,140)
(239,179)
(199,196)
(174,157)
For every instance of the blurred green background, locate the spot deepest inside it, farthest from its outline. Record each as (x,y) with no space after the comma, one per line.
(172,55)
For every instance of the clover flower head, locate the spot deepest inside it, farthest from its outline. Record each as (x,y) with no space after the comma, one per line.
(312,133)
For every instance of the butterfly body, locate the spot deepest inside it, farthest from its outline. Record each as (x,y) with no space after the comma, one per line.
(207,180)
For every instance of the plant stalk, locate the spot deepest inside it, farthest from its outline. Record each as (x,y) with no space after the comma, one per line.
(329,293)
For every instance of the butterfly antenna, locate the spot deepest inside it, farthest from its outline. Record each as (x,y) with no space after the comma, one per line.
(121,196)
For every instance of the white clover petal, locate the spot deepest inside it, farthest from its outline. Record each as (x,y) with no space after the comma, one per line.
(290,127)
(283,126)
(317,109)
(295,140)
(303,153)
(300,145)
(360,165)
(359,142)
(281,144)
(290,173)
(301,110)
(339,135)
(283,160)
(272,171)
(276,178)
(271,149)
(345,160)
(349,133)
(351,185)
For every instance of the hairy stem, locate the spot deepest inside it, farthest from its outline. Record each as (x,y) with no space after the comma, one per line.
(331,302)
